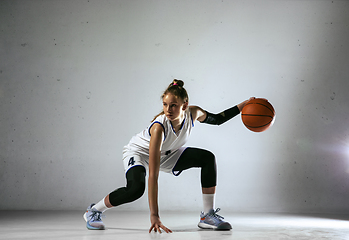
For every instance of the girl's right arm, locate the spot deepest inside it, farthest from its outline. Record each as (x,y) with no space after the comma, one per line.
(156,133)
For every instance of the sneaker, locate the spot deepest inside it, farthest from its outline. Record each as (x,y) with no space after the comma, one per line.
(212,220)
(93,219)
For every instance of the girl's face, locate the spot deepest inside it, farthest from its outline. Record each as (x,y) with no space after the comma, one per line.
(173,106)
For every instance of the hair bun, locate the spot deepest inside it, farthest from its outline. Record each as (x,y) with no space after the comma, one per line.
(177,82)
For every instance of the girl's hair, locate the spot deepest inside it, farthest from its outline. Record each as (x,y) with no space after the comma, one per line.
(176,88)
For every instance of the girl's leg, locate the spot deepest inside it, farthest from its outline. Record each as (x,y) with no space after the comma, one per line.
(195,157)
(134,189)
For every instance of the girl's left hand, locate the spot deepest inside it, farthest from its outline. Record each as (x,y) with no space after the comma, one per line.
(242,105)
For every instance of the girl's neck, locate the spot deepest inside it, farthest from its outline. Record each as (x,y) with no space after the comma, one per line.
(177,124)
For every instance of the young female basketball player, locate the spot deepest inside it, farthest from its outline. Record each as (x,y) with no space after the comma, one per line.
(160,148)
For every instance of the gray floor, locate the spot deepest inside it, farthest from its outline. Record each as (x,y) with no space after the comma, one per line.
(134,225)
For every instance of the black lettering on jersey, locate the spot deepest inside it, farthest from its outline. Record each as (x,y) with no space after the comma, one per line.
(168,152)
(131,162)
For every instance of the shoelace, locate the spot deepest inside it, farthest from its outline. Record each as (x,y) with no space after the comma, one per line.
(97,215)
(215,215)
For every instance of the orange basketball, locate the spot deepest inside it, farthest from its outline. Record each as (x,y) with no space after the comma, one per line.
(258,115)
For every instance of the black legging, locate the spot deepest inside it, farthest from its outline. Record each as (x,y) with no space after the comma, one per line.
(191,157)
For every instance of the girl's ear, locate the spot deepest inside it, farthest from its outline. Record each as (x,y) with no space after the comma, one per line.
(185,106)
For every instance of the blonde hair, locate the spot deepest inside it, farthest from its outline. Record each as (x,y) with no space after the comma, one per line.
(176,88)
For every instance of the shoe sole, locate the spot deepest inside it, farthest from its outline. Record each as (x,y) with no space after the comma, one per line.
(206,226)
(222,227)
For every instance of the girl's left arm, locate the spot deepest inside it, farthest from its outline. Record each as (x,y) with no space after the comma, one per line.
(216,119)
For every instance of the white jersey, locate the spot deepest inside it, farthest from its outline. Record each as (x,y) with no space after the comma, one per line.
(171,141)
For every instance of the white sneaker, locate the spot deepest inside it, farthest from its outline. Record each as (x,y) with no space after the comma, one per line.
(93,219)
(212,220)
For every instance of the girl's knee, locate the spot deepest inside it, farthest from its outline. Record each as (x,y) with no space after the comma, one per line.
(209,158)
(136,190)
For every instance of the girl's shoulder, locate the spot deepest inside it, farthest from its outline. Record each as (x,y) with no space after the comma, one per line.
(197,112)
(161,118)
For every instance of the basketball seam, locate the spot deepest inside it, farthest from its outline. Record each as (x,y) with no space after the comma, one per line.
(262,105)
(256,115)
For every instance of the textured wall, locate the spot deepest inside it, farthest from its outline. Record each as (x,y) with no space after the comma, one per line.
(79,78)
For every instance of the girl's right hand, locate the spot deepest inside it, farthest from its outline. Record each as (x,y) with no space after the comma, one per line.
(156,225)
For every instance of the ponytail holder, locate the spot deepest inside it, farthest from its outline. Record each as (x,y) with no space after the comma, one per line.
(174,84)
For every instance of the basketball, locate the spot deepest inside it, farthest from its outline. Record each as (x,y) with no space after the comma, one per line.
(258,115)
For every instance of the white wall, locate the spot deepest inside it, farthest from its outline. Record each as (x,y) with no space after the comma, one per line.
(79,78)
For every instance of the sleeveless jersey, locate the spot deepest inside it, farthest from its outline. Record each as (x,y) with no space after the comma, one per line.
(171,141)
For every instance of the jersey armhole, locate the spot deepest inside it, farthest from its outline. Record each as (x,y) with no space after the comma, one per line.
(161,126)
(191,118)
